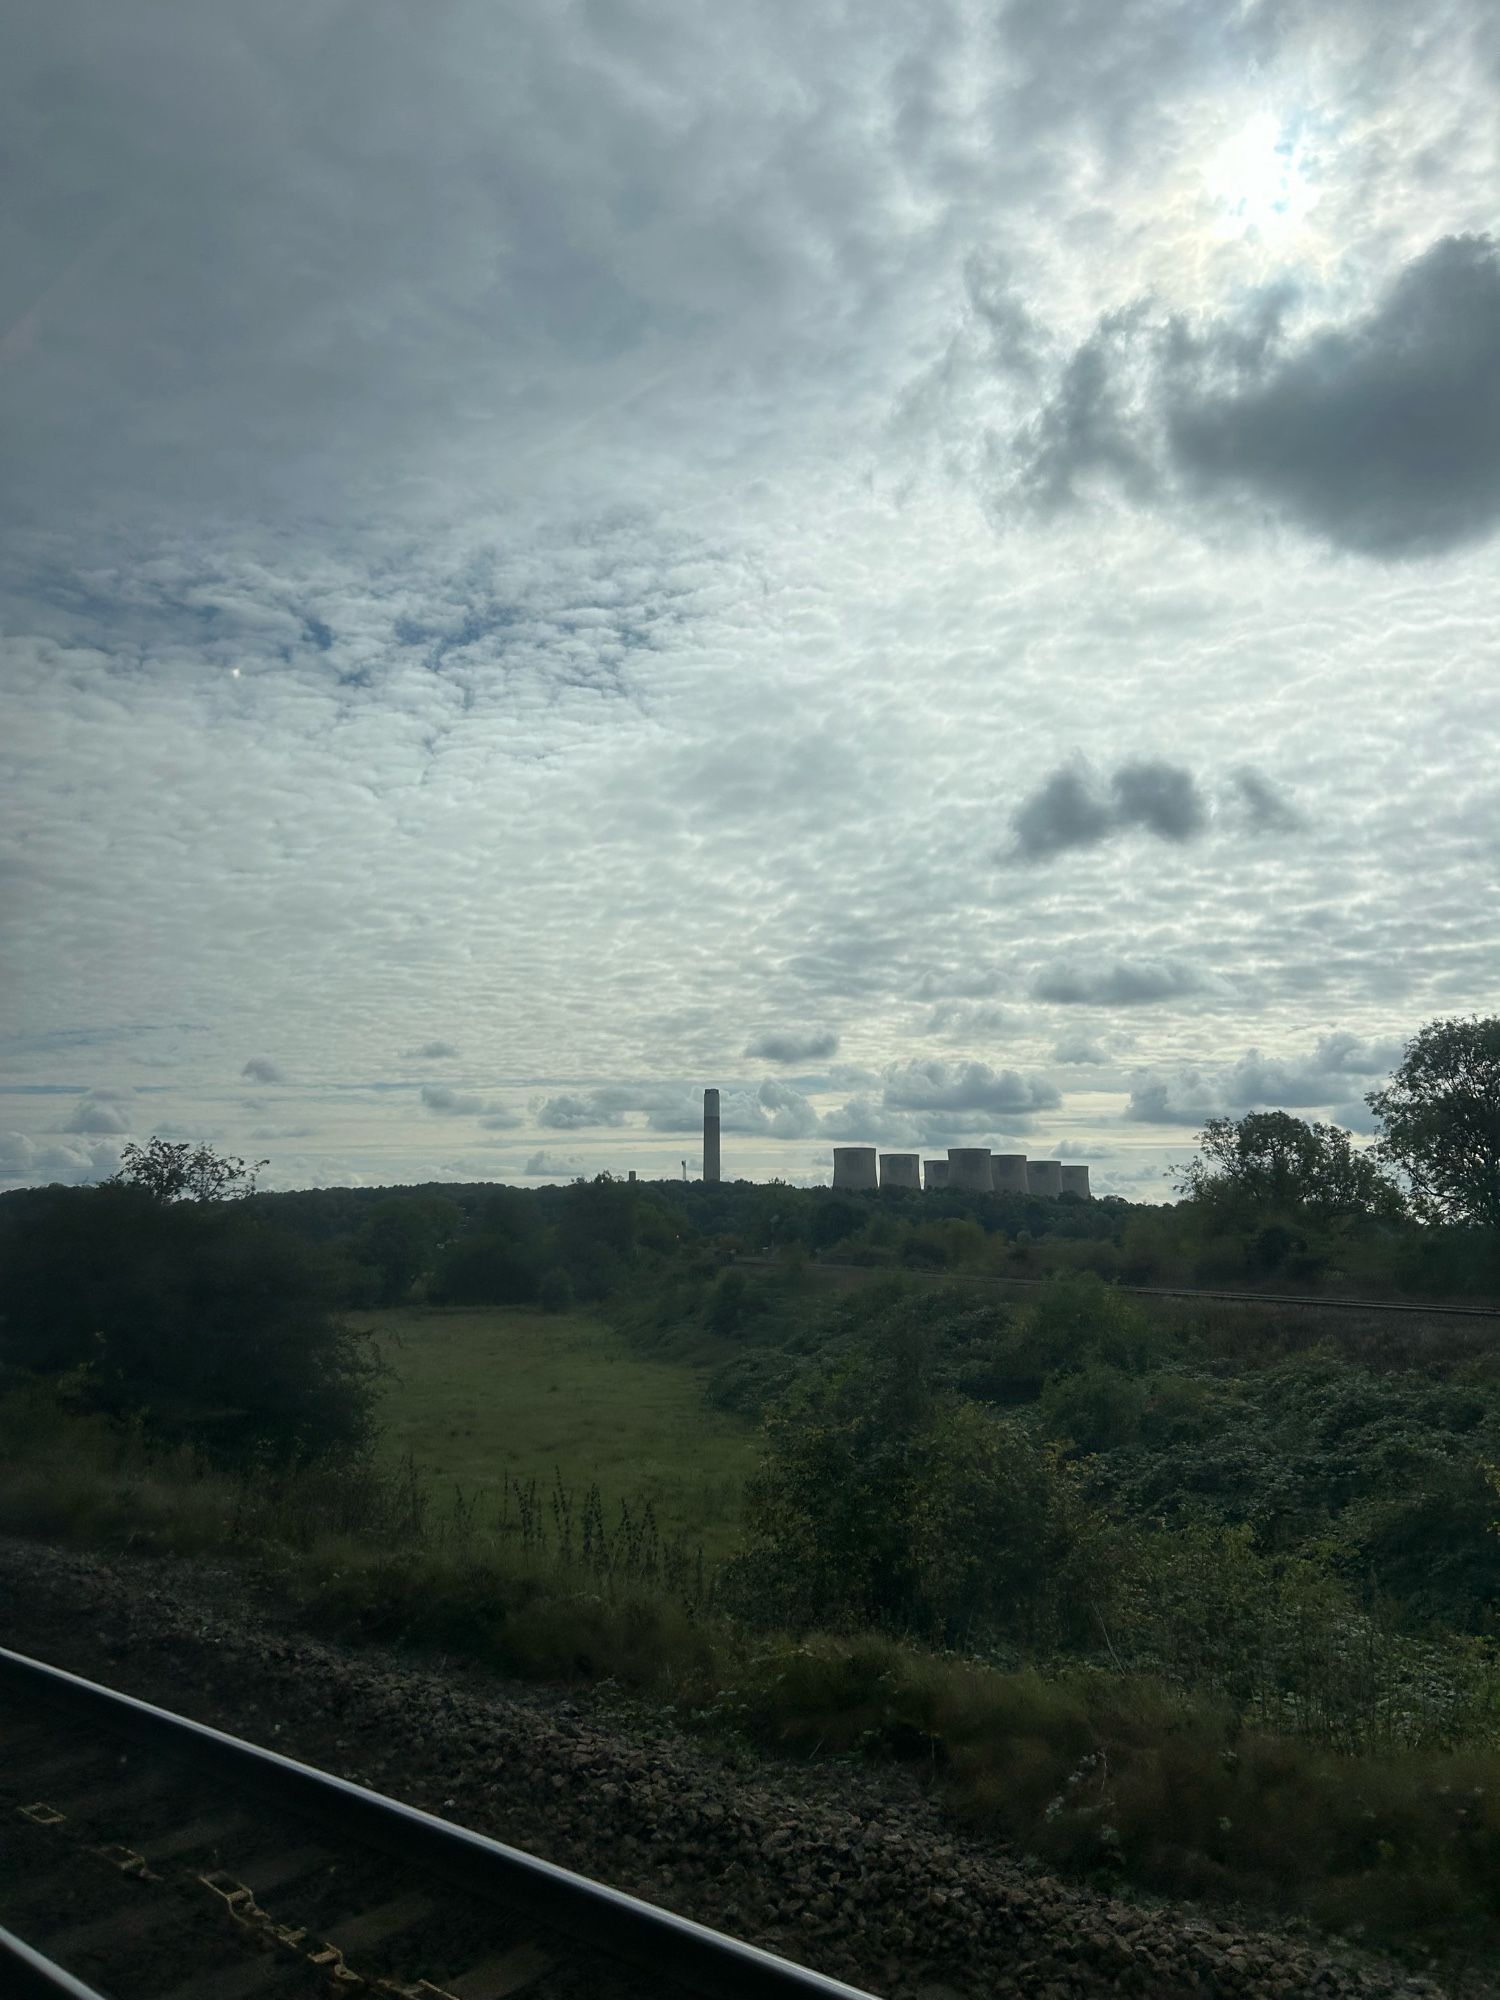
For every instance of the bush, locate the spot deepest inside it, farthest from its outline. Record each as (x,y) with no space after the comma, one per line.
(197,1319)
(885,1506)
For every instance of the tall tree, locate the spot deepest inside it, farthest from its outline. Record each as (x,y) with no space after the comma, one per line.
(1439,1121)
(176,1170)
(1271,1163)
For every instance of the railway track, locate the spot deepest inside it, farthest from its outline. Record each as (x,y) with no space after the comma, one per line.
(146,1857)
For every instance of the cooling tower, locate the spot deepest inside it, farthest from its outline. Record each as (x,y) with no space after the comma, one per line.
(1008,1173)
(969,1167)
(935,1173)
(710,1135)
(854,1167)
(1043,1177)
(901,1170)
(1075,1180)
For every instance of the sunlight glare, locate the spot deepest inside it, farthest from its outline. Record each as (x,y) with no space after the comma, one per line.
(1259,181)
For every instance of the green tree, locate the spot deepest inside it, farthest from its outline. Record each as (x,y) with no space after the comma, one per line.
(402,1238)
(169,1170)
(190,1314)
(1269,1163)
(1439,1121)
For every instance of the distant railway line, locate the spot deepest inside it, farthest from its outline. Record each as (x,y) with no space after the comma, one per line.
(148,1857)
(1319,1300)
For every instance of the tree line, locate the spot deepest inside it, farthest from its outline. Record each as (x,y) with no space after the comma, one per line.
(180,1297)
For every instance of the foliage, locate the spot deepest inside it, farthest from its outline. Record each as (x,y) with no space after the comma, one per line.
(1439,1121)
(194,1317)
(885,1505)
(176,1170)
(402,1239)
(1269,1164)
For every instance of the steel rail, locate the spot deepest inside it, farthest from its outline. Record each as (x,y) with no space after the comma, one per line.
(675,1948)
(26,1975)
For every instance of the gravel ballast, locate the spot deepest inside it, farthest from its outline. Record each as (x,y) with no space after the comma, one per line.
(857,1876)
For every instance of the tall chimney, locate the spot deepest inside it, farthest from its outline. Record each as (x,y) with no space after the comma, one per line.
(710,1135)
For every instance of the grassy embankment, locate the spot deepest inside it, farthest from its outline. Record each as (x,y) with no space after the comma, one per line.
(484,1396)
(1110,1776)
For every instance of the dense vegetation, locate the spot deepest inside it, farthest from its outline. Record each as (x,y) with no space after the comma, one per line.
(1203,1596)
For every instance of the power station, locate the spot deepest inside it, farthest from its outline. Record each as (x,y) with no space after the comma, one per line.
(973,1168)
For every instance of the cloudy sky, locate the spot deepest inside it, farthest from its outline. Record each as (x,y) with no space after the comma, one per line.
(932,565)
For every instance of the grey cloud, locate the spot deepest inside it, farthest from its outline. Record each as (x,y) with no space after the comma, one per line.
(93,1116)
(1073,808)
(450,1103)
(260,1070)
(1066,811)
(23,1158)
(970,1086)
(1086,426)
(792,1045)
(1078,1049)
(1161,797)
(1186,1097)
(550,1166)
(1344,1054)
(1384,435)
(570,1113)
(500,1120)
(1320,1081)
(789,1113)
(429,1052)
(1381,434)
(1124,983)
(1265,806)
(966,1019)
(1355,1116)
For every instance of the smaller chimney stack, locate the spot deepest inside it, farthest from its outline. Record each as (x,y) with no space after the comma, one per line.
(710,1135)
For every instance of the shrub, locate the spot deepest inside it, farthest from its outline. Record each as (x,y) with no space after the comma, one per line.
(198,1319)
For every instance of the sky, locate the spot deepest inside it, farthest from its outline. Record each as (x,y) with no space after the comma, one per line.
(931,566)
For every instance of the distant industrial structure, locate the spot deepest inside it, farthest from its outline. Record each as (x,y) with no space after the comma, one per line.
(973,1168)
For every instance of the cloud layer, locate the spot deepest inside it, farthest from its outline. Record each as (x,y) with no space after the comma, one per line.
(935,572)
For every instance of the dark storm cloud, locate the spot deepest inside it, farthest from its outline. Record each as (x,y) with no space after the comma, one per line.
(1382,434)
(967,1086)
(1074,808)
(260,1070)
(1124,983)
(429,1052)
(792,1046)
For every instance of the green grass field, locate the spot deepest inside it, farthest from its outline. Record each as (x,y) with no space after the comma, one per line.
(480,1394)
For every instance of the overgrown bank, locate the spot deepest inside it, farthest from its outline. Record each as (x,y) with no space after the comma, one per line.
(1114,1777)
